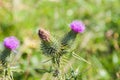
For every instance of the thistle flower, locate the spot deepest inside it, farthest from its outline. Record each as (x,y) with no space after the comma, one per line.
(77,26)
(11,43)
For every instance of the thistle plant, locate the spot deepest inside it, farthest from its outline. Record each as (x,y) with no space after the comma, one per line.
(57,48)
(10,44)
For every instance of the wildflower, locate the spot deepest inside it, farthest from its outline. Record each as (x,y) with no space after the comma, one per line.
(77,26)
(11,42)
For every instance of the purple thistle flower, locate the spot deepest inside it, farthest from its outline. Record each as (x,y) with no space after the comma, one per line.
(77,26)
(11,42)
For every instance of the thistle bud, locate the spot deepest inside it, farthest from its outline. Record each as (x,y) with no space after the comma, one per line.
(49,45)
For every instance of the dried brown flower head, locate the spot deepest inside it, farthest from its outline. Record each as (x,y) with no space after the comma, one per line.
(44,35)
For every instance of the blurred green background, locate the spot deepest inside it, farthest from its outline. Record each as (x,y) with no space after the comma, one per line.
(99,44)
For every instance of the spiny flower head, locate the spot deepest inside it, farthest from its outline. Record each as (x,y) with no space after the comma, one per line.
(11,42)
(77,26)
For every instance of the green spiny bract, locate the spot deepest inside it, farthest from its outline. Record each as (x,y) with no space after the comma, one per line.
(3,60)
(6,52)
(50,48)
(67,41)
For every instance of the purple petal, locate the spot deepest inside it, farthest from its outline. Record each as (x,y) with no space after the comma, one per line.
(77,26)
(11,42)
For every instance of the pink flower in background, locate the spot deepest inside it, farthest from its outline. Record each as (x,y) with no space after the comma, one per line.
(11,42)
(77,26)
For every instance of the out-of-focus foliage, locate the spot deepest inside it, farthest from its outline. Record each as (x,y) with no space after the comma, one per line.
(99,45)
